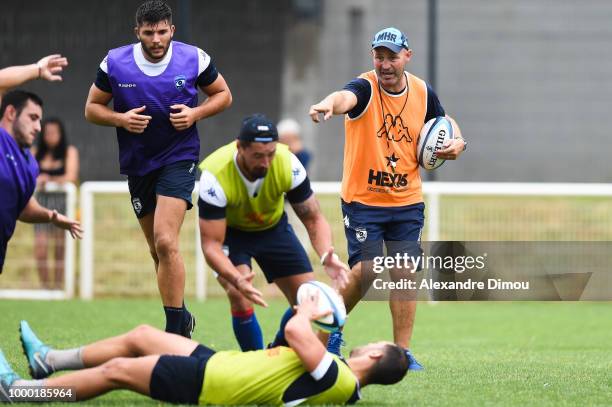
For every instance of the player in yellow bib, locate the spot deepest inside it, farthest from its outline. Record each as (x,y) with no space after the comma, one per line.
(171,368)
(241,208)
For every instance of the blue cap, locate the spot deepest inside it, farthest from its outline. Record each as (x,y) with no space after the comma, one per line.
(391,38)
(258,128)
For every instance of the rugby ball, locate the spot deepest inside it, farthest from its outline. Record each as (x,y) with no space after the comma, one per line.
(432,138)
(328,300)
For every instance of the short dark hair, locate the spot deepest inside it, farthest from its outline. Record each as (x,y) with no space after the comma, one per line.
(42,148)
(18,99)
(153,11)
(390,368)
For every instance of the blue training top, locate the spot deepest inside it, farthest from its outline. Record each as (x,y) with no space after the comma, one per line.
(18,172)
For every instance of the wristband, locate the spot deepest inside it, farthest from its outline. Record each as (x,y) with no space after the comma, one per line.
(53,214)
(324,257)
(39,70)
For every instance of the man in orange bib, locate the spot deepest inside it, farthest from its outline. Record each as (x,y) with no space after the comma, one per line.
(382,200)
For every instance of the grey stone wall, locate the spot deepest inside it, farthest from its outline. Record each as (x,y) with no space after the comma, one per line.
(530,83)
(243,37)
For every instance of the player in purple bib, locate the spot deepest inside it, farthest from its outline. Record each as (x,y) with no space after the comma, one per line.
(154,88)
(20,116)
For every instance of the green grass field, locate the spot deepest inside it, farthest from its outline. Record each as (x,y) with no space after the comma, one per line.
(481,353)
(123,264)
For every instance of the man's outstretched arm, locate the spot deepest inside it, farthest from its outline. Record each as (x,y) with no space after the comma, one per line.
(212,235)
(36,213)
(48,68)
(339,102)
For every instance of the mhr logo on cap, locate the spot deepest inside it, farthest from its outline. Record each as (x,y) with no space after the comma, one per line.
(391,38)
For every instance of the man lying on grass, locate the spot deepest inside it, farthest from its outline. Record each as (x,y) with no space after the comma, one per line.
(171,368)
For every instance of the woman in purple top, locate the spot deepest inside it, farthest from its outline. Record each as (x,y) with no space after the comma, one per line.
(154,88)
(20,116)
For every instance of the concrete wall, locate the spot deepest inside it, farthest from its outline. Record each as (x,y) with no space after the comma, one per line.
(527,81)
(244,38)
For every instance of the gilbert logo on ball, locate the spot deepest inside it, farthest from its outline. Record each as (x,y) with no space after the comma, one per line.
(431,139)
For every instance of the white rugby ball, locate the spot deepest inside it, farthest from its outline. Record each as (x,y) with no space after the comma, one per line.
(329,300)
(433,136)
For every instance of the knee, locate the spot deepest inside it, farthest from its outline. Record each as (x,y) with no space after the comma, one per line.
(141,332)
(138,336)
(165,246)
(154,256)
(116,371)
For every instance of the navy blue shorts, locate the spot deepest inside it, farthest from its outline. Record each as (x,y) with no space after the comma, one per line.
(367,227)
(175,180)
(277,250)
(179,379)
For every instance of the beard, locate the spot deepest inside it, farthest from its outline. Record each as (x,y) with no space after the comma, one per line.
(149,52)
(21,137)
(259,172)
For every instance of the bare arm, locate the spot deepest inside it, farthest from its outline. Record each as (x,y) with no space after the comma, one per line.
(212,234)
(320,235)
(339,102)
(72,165)
(98,112)
(319,231)
(47,68)
(36,213)
(219,99)
(300,336)
(16,75)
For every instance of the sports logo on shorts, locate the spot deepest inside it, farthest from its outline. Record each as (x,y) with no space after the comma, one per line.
(361,234)
(179,82)
(137,205)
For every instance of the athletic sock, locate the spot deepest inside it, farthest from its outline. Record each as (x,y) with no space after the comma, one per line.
(280,340)
(247,330)
(70,359)
(28,383)
(186,317)
(174,319)
(185,313)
